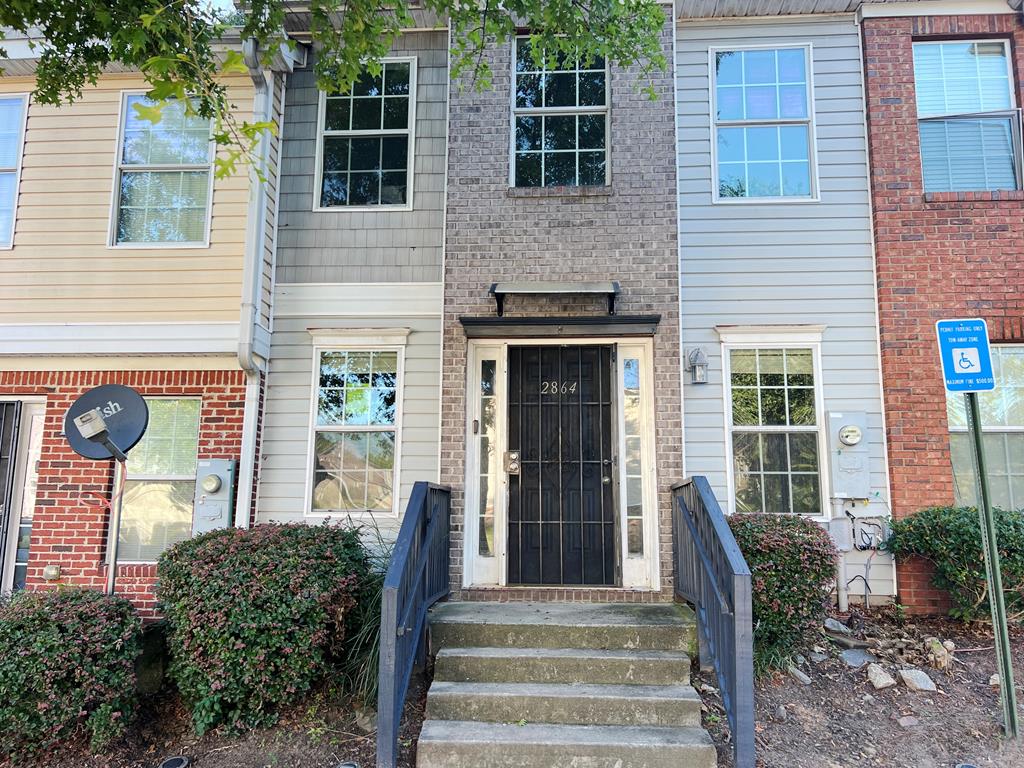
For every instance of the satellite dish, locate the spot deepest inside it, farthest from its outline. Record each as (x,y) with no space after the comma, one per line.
(120,409)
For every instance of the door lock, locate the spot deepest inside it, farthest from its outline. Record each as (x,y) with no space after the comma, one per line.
(512,462)
(606,480)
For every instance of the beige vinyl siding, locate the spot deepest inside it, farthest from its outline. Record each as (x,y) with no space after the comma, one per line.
(61,268)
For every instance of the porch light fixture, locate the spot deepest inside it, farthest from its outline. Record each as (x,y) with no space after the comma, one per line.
(697,365)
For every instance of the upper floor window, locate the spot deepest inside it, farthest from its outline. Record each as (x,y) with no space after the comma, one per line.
(12,124)
(560,115)
(366,140)
(967,116)
(1002,429)
(164,176)
(776,432)
(762,123)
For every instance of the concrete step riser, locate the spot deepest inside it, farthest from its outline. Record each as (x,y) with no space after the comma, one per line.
(569,669)
(653,638)
(504,707)
(540,756)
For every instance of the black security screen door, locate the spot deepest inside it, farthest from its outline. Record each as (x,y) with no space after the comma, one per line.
(10,417)
(562,504)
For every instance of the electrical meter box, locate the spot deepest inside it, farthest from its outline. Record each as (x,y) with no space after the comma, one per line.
(849,456)
(215,494)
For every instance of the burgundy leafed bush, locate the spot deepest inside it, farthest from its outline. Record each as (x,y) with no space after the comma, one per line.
(792,564)
(255,615)
(67,668)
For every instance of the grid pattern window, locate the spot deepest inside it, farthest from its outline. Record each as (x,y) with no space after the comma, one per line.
(164,176)
(633,465)
(775,432)
(967,116)
(763,123)
(1002,421)
(161,483)
(560,117)
(12,124)
(356,432)
(366,140)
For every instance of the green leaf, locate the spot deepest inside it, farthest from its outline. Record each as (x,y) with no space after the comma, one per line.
(153,114)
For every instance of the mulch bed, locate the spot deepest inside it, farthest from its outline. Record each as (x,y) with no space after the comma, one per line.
(840,720)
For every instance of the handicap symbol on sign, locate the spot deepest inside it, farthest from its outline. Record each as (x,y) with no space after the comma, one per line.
(966,359)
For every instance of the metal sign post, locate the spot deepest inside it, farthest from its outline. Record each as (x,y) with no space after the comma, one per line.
(967,368)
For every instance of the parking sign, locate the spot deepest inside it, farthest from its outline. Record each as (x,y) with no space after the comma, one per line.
(966,359)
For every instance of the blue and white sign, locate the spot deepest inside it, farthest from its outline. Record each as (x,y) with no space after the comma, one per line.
(966,359)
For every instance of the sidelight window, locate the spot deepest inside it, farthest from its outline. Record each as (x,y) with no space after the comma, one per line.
(355,436)
(1002,422)
(366,140)
(560,116)
(967,116)
(763,123)
(775,430)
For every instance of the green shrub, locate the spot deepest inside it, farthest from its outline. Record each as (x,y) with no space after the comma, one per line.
(67,667)
(256,615)
(950,537)
(792,564)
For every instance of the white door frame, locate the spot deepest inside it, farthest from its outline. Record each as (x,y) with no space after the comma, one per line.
(27,454)
(638,572)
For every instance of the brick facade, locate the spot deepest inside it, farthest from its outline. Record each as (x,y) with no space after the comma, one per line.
(625,232)
(938,255)
(72,534)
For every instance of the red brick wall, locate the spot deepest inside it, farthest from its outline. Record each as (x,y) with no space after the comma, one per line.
(938,255)
(73,535)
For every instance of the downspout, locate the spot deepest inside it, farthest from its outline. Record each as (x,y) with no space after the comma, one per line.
(252,286)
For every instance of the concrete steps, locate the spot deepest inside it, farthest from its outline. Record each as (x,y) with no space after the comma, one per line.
(562,704)
(546,685)
(562,665)
(458,744)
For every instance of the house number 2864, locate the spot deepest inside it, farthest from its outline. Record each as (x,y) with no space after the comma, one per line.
(557,387)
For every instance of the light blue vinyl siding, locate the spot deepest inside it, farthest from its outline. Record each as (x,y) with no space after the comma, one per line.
(757,263)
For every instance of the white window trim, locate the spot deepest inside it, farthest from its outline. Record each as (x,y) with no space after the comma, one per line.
(810,121)
(358,341)
(169,478)
(784,337)
(115,191)
(8,244)
(1013,112)
(515,111)
(992,429)
(410,130)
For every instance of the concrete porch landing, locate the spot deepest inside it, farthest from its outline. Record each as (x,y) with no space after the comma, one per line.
(562,685)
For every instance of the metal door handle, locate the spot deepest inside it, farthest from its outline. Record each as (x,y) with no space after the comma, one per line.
(606,480)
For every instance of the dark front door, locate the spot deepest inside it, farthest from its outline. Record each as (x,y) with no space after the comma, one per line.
(10,418)
(562,503)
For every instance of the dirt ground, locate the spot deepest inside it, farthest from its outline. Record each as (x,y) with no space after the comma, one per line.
(321,734)
(837,721)
(840,720)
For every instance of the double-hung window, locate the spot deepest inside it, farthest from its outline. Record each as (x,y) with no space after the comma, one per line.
(366,140)
(355,433)
(164,176)
(160,488)
(968,118)
(763,123)
(774,430)
(560,116)
(1002,427)
(12,133)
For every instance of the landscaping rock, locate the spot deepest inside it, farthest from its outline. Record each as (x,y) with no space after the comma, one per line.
(908,721)
(836,626)
(855,658)
(366,720)
(818,658)
(995,681)
(916,680)
(940,654)
(879,677)
(799,676)
(781,714)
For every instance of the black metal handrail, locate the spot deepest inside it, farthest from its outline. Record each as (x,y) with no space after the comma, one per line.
(710,573)
(417,578)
